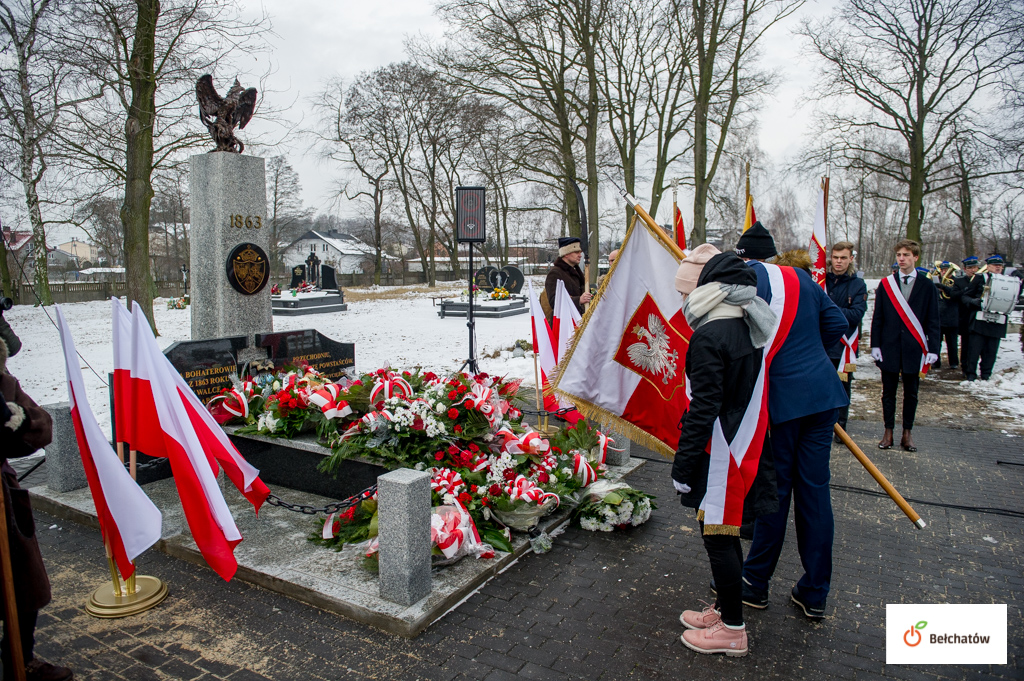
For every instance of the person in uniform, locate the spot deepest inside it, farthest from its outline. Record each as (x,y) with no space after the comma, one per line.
(567,270)
(983,339)
(949,316)
(850,294)
(895,345)
(970,267)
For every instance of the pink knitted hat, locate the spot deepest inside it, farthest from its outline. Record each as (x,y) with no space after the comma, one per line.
(691,266)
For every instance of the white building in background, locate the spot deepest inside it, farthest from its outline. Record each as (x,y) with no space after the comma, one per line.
(344,252)
(81,251)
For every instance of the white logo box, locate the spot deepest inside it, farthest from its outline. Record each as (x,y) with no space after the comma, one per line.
(945,634)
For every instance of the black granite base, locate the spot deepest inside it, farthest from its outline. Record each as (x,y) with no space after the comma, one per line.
(508,308)
(289,306)
(282,463)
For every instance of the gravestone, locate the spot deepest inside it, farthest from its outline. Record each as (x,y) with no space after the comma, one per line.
(513,278)
(207,365)
(482,278)
(328,281)
(308,346)
(229,243)
(298,276)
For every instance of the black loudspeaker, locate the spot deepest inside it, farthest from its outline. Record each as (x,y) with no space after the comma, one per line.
(470,215)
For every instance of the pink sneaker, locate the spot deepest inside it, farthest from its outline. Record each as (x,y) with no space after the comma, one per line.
(717,638)
(692,619)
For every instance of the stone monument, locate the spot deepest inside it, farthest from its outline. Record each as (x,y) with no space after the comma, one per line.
(229,244)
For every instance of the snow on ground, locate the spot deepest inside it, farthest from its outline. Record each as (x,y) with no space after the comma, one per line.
(403,332)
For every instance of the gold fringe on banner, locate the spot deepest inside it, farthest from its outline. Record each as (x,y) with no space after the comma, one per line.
(730,530)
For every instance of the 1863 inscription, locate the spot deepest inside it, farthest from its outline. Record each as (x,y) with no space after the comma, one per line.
(246,221)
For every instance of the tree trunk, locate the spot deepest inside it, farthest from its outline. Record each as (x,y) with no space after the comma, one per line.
(378,263)
(5,272)
(138,194)
(42,274)
(966,219)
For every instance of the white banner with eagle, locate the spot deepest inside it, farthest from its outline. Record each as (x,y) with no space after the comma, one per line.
(625,368)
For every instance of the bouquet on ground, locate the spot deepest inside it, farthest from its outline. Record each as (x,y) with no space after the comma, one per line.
(609,505)
(176,303)
(500,293)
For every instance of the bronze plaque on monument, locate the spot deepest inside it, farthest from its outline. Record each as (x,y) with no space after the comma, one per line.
(247,269)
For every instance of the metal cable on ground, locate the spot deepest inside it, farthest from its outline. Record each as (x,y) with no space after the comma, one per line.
(275,500)
(39,302)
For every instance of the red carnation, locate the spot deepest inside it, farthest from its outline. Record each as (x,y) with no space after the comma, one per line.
(439,456)
(473,447)
(452,395)
(473,488)
(379,406)
(465,498)
(457,428)
(453,413)
(453,450)
(510,473)
(462,388)
(542,477)
(495,490)
(406,374)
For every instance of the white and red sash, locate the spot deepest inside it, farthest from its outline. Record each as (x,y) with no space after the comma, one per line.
(891,286)
(848,360)
(733,465)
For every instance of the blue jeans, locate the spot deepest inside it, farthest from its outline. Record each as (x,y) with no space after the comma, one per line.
(801,448)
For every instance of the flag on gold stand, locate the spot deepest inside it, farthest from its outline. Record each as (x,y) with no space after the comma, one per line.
(816,248)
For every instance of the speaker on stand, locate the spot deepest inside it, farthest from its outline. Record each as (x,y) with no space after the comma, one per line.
(470,228)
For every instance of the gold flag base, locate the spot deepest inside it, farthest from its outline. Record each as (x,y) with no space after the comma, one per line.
(109,604)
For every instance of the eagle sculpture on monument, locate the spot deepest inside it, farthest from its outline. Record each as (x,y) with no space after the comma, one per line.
(221,115)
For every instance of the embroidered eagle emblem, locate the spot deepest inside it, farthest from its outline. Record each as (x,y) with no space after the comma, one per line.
(653,354)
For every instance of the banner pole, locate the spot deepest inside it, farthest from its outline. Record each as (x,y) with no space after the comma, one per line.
(658,231)
(879,478)
(10,600)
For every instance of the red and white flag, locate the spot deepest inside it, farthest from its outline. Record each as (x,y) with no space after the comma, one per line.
(564,320)
(848,360)
(129,521)
(543,348)
(679,229)
(194,470)
(626,364)
(816,248)
(121,320)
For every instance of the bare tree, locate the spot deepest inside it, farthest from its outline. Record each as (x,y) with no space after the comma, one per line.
(910,70)
(724,81)
(286,213)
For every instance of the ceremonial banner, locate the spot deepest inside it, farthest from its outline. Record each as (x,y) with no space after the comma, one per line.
(749,218)
(566,318)
(121,320)
(625,367)
(129,522)
(543,348)
(816,248)
(677,222)
(206,512)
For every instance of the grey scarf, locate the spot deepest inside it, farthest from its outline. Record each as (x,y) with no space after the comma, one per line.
(706,301)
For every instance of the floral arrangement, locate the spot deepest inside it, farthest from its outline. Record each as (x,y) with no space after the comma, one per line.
(614,505)
(485,462)
(275,290)
(500,293)
(303,287)
(177,303)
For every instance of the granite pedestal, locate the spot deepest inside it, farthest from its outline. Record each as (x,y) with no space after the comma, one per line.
(64,470)
(226,186)
(483,308)
(403,512)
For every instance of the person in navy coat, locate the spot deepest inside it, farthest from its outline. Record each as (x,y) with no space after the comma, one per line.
(895,349)
(805,397)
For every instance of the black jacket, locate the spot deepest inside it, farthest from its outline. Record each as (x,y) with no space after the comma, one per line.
(949,303)
(571,276)
(721,366)
(973,297)
(900,351)
(961,284)
(850,294)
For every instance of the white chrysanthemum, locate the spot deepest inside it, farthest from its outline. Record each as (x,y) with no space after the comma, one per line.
(625,513)
(589,524)
(439,408)
(642,513)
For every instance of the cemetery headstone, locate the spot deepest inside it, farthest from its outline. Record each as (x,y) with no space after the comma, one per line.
(230,240)
(483,278)
(207,365)
(327,276)
(308,346)
(514,278)
(298,276)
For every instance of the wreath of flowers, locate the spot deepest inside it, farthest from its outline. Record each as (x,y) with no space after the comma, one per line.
(500,293)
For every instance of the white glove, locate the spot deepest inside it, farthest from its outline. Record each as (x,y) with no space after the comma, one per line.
(876,354)
(681,488)
(931,358)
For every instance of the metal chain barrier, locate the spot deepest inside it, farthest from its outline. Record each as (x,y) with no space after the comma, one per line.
(543,412)
(336,507)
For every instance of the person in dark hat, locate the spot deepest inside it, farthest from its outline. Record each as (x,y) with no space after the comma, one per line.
(756,244)
(731,326)
(970,266)
(983,339)
(567,270)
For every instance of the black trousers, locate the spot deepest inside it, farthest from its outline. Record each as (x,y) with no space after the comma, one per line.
(844,412)
(911,384)
(949,334)
(964,337)
(27,629)
(726,556)
(984,347)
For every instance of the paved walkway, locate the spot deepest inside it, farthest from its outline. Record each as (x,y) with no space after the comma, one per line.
(598,606)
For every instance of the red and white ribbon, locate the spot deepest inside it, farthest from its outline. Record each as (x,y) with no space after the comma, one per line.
(481,398)
(391,385)
(233,401)
(524,488)
(446,481)
(892,287)
(527,444)
(850,343)
(582,469)
(327,399)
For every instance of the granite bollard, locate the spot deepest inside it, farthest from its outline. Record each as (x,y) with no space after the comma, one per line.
(403,514)
(618,458)
(64,470)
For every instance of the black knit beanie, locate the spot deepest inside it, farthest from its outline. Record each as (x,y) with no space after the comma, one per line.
(756,243)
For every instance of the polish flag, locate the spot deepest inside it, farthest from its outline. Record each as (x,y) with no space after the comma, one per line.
(680,230)
(195,470)
(626,364)
(543,348)
(122,323)
(129,521)
(816,248)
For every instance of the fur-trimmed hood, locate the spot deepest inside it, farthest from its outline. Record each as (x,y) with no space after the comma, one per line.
(3,356)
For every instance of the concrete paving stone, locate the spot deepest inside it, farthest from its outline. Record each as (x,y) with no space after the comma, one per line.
(499,661)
